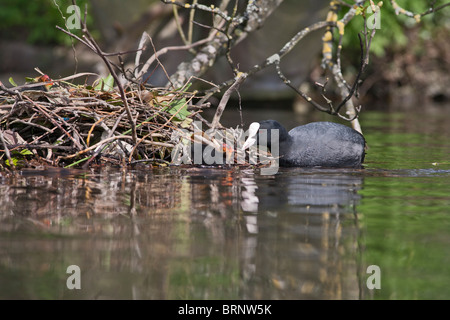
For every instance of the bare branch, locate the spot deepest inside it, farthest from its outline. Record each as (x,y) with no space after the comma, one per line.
(7,153)
(254,16)
(163,51)
(92,44)
(416,16)
(226,96)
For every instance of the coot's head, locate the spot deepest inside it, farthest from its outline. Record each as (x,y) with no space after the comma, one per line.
(264,131)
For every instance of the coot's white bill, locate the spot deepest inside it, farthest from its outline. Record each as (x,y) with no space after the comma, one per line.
(252,132)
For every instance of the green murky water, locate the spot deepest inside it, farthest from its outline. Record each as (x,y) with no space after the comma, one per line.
(202,233)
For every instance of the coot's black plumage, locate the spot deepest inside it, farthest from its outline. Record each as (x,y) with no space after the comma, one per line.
(322,144)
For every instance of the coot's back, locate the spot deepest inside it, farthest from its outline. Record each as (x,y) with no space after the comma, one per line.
(325,144)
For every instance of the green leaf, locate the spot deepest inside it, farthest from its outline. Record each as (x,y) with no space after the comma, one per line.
(25,152)
(187,87)
(359,10)
(178,107)
(11,80)
(115,102)
(186,123)
(105,84)
(14,160)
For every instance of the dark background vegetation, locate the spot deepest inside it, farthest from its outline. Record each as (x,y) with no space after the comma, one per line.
(409,62)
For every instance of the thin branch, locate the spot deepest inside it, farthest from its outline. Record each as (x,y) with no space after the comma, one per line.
(416,16)
(191,25)
(226,96)
(203,7)
(11,91)
(177,22)
(432,10)
(273,59)
(252,19)
(5,146)
(42,110)
(163,51)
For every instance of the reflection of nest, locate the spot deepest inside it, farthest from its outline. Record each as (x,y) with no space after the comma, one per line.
(69,198)
(69,125)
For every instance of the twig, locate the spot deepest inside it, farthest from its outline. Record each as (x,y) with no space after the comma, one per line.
(272,60)
(417,16)
(46,115)
(203,7)
(177,22)
(5,146)
(104,141)
(92,44)
(163,51)
(163,125)
(224,100)
(141,48)
(39,146)
(249,21)
(10,91)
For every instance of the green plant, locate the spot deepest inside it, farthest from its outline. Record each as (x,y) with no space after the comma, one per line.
(36,20)
(392,31)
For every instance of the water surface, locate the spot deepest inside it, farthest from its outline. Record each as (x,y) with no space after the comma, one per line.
(232,233)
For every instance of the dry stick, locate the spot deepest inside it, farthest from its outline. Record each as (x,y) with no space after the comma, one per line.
(108,140)
(276,58)
(116,124)
(159,62)
(203,7)
(345,92)
(43,135)
(8,155)
(42,111)
(191,24)
(273,59)
(141,48)
(251,20)
(76,134)
(177,22)
(119,85)
(76,76)
(167,49)
(92,129)
(31,124)
(417,16)
(110,134)
(11,92)
(162,126)
(335,69)
(91,44)
(38,146)
(431,10)
(226,96)
(97,145)
(353,111)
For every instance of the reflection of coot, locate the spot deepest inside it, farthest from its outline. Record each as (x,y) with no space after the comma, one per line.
(324,190)
(291,189)
(324,144)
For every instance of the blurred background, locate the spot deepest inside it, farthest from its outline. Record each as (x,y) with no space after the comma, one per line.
(409,67)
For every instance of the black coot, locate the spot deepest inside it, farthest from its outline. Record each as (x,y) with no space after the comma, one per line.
(317,144)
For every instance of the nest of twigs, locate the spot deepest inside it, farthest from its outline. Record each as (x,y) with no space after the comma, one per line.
(61,124)
(56,123)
